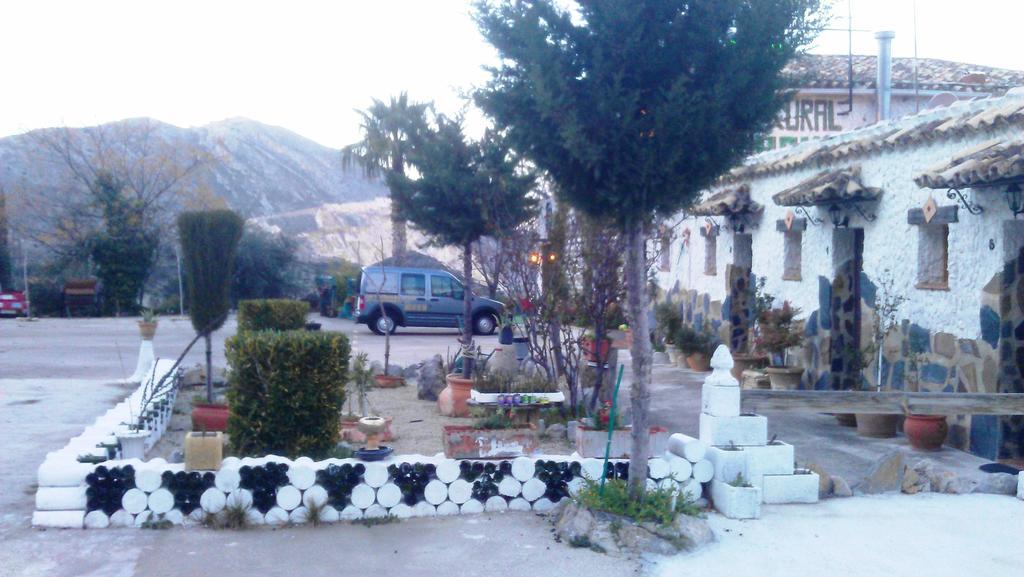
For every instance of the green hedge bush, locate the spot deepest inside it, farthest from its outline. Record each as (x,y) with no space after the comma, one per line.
(272,315)
(286,391)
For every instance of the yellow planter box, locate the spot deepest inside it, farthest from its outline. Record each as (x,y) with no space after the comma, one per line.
(204,451)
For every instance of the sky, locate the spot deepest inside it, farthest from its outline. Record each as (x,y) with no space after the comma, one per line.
(308,65)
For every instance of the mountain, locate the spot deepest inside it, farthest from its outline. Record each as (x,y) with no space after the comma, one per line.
(257,169)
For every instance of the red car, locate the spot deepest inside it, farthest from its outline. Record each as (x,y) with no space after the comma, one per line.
(12,304)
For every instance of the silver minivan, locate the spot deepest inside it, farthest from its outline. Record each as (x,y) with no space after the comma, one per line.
(418,297)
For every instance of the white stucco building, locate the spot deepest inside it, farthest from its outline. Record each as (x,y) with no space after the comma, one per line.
(924,201)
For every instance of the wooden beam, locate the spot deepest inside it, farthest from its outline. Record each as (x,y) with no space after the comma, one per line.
(885,402)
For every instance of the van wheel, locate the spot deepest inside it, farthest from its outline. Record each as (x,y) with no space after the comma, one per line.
(380,324)
(484,324)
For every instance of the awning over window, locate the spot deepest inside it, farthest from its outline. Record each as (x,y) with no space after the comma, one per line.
(990,163)
(728,202)
(829,187)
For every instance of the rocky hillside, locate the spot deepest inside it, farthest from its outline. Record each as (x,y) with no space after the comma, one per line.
(257,169)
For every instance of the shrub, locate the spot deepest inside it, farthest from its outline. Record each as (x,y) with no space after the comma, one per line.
(656,506)
(779,329)
(272,315)
(286,390)
(669,320)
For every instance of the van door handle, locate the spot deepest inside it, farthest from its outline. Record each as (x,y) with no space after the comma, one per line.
(421,298)
(434,300)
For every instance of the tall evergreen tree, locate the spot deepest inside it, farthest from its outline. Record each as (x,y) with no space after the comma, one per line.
(465,190)
(632,108)
(384,151)
(209,240)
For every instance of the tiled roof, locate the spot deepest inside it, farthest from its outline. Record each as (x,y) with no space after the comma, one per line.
(988,163)
(727,202)
(832,71)
(958,119)
(828,187)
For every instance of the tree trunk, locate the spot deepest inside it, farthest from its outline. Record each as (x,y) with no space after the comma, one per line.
(640,396)
(467,311)
(398,236)
(209,368)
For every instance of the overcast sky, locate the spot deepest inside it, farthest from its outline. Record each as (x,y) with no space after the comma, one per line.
(306,65)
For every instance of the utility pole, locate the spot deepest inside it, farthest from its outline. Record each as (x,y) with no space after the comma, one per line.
(24,274)
(181,288)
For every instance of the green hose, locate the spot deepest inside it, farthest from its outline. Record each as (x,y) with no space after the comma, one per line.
(611,428)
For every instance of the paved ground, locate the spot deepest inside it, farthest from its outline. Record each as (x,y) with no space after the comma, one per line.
(57,376)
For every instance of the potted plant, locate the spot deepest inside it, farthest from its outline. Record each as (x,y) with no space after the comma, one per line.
(496,386)
(924,432)
(592,436)
(591,350)
(752,358)
(147,326)
(498,435)
(779,330)
(361,378)
(696,346)
(887,306)
(209,240)
(506,336)
(667,322)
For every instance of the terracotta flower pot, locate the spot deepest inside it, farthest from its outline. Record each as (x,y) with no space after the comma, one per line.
(785,378)
(147,330)
(877,426)
(389,381)
(698,362)
(590,351)
(350,431)
(926,432)
(452,400)
(209,417)
(743,362)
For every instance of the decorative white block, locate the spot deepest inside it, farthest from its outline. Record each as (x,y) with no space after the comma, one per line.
(720,401)
(740,430)
(1020,485)
(679,468)
(798,487)
(389,495)
(703,471)
(728,463)
(447,508)
(60,498)
(59,472)
(495,503)
(301,477)
(96,520)
(401,511)
(212,500)
(774,459)
(375,512)
(472,506)
(686,447)
(519,504)
(736,502)
(691,489)
(657,468)
(424,509)
(288,498)
(436,492)
(315,496)
(59,519)
(276,516)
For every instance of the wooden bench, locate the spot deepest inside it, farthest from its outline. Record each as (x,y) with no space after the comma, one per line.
(884,402)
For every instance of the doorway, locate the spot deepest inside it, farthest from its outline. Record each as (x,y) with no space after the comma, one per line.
(1011,342)
(741,292)
(845,345)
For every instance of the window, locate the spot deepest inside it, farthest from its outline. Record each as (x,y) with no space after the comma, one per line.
(665,260)
(414,285)
(792,248)
(711,254)
(440,286)
(933,257)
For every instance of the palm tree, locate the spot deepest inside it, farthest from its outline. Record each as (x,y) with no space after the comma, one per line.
(384,151)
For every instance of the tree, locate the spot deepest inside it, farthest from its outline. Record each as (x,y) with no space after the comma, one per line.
(6,265)
(264,266)
(209,240)
(384,150)
(632,108)
(465,190)
(125,248)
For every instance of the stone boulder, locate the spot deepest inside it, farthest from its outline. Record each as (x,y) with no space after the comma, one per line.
(620,537)
(885,476)
(430,381)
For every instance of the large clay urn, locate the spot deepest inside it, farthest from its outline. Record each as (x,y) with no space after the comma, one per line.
(452,400)
(926,432)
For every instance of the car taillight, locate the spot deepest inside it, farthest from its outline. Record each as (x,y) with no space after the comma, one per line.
(362,303)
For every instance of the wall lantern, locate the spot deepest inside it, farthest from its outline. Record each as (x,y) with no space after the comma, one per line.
(1013,199)
(533,258)
(710,226)
(836,216)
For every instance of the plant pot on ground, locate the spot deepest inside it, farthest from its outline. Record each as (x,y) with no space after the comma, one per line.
(779,331)
(697,347)
(209,416)
(389,381)
(350,429)
(926,432)
(148,324)
(452,400)
(877,426)
(745,362)
(591,350)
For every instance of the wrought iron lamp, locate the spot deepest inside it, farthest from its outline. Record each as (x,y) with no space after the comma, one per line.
(1013,199)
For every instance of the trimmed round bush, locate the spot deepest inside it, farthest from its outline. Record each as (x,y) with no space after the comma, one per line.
(286,391)
(272,315)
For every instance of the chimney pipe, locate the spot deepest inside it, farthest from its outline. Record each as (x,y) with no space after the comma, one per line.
(883,85)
